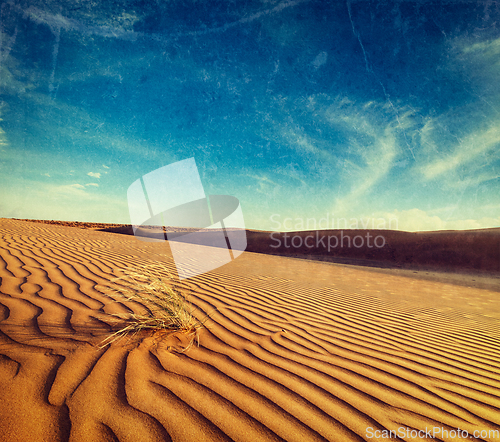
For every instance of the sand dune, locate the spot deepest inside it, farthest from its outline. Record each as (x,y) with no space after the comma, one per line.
(475,251)
(465,251)
(294,350)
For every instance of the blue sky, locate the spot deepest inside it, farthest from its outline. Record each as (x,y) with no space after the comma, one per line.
(300,109)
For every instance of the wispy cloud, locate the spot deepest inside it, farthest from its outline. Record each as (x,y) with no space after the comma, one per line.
(71,202)
(8,66)
(473,181)
(346,148)
(460,149)
(65,190)
(305,144)
(320,60)
(92,184)
(75,121)
(466,151)
(415,220)
(266,185)
(57,22)
(372,145)
(94,174)
(3,140)
(3,136)
(490,48)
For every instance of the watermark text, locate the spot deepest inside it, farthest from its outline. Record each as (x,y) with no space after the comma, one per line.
(432,433)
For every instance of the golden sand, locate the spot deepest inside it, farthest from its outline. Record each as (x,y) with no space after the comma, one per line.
(294,350)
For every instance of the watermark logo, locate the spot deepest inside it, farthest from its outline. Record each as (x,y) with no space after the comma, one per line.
(330,222)
(326,242)
(434,433)
(309,234)
(204,233)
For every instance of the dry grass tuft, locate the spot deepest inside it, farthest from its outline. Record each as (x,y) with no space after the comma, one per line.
(165,309)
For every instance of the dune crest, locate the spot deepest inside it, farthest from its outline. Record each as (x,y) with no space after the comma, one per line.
(293,350)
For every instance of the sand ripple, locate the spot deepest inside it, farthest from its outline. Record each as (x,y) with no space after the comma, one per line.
(293,350)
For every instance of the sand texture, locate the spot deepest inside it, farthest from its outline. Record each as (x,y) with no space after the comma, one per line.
(293,350)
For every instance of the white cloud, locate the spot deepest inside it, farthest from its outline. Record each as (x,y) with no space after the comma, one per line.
(320,60)
(373,145)
(266,185)
(416,220)
(456,146)
(473,181)
(42,200)
(57,21)
(347,148)
(94,174)
(464,152)
(74,120)
(106,167)
(92,184)
(3,137)
(58,191)
(487,48)
(305,144)
(46,174)
(481,61)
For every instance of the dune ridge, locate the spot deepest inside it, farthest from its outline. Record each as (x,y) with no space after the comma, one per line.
(474,251)
(294,350)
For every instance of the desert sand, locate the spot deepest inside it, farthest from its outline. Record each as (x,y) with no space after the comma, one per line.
(293,350)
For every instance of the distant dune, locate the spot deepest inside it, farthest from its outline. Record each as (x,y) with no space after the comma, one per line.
(477,250)
(293,350)
(468,250)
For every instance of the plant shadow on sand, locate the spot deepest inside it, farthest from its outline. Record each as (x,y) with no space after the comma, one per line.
(155,306)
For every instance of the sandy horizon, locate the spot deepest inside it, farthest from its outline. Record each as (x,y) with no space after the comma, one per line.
(294,350)
(470,258)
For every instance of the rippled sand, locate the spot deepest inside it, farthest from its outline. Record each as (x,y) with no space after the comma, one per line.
(294,350)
